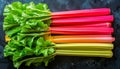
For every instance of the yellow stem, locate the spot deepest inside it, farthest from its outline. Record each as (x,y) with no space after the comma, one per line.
(85,46)
(106,54)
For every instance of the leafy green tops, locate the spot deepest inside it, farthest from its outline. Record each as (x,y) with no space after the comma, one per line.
(26,25)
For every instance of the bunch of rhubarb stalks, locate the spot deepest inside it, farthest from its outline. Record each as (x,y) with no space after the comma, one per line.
(83,32)
(35,35)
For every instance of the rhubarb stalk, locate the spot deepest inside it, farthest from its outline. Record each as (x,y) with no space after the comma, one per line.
(79,39)
(84,46)
(83,20)
(81,13)
(82,39)
(81,31)
(106,54)
(104,24)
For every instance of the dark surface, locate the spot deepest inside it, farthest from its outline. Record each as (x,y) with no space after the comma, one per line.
(62,62)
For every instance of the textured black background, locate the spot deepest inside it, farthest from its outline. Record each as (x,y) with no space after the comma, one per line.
(62,62)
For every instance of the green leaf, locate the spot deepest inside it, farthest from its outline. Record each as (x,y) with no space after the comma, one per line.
(49,43)
(51,50)
(26,25)
(28,51)
(44,52)
(17,55)
(9,19)
(23,41)
(30,41)
(9,26)
(40,41)
(29,61)
(7,10)
(17,64)
(17,5)
(48,59)
(13,31)
(41,6)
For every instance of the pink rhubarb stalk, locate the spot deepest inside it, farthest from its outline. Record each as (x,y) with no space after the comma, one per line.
(81,13)
(81,31)
(81,20)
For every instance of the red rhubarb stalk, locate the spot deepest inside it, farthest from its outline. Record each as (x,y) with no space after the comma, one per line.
(82,20)
(104,24)
(80,31)
(81,13)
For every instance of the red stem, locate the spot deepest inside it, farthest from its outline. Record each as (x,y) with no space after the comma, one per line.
(83,20)
(83,31)
(81,13)
(104,24)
